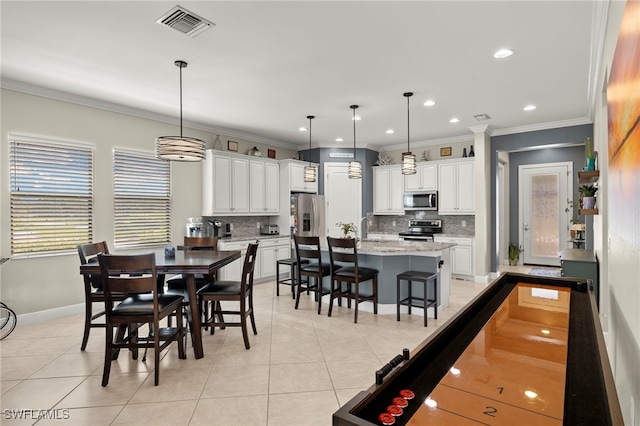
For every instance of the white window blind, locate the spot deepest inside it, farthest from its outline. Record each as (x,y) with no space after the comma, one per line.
(51,186)
(142,191)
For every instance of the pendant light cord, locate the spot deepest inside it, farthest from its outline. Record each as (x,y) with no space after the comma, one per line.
(310,117)
(180,66)
(408,126)
(354,107)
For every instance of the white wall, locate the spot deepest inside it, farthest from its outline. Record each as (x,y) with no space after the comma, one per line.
(619,261)
(42,283)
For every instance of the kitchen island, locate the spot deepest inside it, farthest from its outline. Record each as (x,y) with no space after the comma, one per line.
(391,258)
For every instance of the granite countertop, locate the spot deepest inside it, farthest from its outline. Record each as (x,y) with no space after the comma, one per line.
(400,247)
(456,235)
(250,236)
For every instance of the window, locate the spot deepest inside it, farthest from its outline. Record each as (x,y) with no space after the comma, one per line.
(142,199)
(51,186)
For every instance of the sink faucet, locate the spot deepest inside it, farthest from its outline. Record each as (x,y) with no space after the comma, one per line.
(359,241)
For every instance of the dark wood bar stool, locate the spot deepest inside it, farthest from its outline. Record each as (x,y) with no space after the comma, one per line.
(427,278)
(292,263)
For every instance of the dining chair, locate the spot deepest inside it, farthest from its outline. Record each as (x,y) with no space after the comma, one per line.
(92,288)
(135,277)
(345,252)
(232,291)
(178,284)
(308,249)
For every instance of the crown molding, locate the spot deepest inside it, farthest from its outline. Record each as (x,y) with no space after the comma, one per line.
(542,126)
(45,92)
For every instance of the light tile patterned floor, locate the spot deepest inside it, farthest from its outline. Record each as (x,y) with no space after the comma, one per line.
(301,367)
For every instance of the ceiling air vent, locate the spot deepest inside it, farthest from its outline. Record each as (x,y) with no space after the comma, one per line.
(482,117)
(182,20)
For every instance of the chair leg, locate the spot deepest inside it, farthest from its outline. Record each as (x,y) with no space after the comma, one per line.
(87,324)
(319,293)
(293,282)
(298,292)
(375,294)
(108,355)
(397,299)
(357,300)
(156,357)
(331,296)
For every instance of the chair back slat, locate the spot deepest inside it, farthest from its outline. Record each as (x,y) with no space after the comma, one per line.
(200,243)
(308,248)
(346,252)
(128,274)
(88,253)
(249,266)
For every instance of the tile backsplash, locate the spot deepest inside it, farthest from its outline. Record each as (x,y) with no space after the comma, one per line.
(451,225)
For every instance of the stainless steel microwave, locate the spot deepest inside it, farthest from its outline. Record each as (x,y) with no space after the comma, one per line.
(427,200)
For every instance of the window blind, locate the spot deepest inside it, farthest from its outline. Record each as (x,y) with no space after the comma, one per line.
(142,199)
(51,186)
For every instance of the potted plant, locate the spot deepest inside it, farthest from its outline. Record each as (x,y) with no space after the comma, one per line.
(347,228)
(514,254)
(576,231)
(588,196)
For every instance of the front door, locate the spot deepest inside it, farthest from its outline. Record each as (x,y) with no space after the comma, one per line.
(544,190)
(343,198)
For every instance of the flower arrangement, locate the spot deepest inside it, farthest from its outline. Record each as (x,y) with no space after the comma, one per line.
(347,228)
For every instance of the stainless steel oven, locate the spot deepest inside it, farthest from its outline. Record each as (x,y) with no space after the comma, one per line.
(427,200)
(421,230)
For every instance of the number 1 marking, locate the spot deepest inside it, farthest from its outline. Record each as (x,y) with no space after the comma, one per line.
(500,390)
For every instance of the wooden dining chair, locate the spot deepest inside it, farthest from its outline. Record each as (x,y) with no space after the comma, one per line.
(92,288)
(350,273)
(233,291)
(178,284)
(135,277)
(308,249)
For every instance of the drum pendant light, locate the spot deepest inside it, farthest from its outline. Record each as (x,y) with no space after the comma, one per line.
(310,171)
(355,167)
(180,148)
(408,159)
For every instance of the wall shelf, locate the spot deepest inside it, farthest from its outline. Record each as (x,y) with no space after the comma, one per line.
(588,177)
(588,211)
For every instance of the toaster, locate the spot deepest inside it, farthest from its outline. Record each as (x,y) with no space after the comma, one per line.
(269,230)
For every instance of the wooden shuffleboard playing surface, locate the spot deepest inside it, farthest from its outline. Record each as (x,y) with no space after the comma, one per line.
(528,350)
(513,372)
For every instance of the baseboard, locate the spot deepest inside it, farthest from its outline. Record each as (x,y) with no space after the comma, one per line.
(49,314)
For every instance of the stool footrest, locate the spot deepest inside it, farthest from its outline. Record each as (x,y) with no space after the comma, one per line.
(409,302)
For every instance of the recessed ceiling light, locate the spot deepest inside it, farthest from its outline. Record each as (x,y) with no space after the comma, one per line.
(429,102)
(303,129)
(529,107)
(339,139)
(503,53)
(390,131)
(454,120)
(356,118)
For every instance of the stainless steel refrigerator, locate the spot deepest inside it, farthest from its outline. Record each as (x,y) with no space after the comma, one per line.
(307,215)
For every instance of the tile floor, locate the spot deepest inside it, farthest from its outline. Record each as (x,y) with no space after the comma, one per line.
(301,367)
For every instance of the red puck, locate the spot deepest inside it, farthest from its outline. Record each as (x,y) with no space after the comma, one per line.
(386,419)
(394,410)
(400,402)
(407,394)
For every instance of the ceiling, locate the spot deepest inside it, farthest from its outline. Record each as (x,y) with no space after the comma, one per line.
(266,65)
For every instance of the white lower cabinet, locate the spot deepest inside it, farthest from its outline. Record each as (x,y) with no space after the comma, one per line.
(270,250)
(461,255)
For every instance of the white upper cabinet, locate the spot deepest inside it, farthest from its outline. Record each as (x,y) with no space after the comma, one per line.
(296,178)
(425,179)
(236,184)
(456,187)
(388,186)
(264,177)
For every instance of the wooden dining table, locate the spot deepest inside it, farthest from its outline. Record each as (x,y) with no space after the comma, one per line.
(188,263)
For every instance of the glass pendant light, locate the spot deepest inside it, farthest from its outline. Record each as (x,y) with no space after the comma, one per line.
(408,159)
(355,167)
(309,170)
(180,148)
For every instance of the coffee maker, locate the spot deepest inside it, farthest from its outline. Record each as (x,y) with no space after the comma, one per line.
(216,228)
(194,227)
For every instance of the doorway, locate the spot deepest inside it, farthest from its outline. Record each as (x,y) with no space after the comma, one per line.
(343,198)
(544,192)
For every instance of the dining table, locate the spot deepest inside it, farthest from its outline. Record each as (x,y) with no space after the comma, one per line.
(189,263)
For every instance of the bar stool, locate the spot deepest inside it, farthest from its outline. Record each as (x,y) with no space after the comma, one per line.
(426,278)
(293,264)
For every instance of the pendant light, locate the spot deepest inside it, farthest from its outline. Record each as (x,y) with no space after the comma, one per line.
(310,171)
(408,159)
(180,148)
(355,167)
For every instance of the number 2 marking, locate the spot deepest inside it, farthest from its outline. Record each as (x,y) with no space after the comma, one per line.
(500,390)
(490,411)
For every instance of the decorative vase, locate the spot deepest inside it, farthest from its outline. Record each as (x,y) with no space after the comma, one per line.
(217,144)
(471,153)
(513,262)
(464,152)
(588,203)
